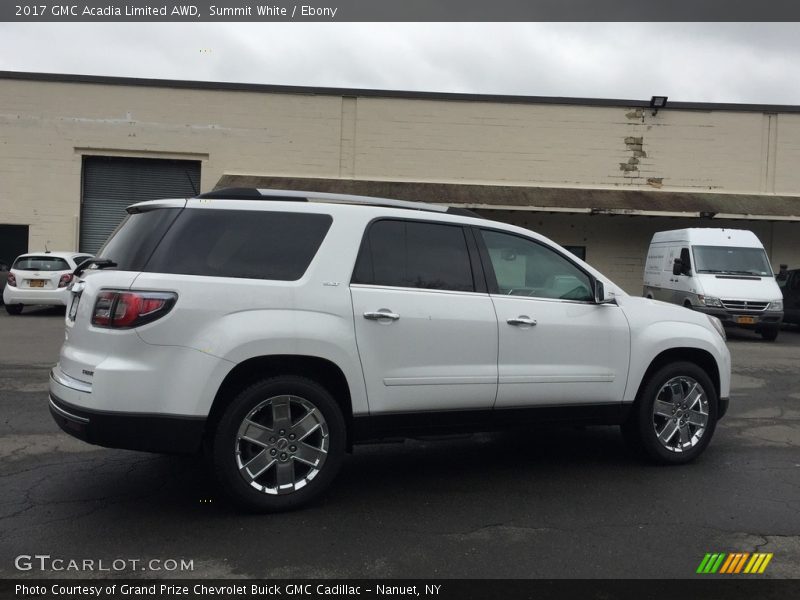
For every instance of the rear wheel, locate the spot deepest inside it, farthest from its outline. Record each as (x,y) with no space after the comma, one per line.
(14,309)
(770,333)
(675,414)
(279,444)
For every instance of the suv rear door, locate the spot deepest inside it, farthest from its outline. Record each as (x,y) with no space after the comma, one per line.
(436,346)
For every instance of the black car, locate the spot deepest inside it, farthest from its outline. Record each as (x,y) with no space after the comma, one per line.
(789,282)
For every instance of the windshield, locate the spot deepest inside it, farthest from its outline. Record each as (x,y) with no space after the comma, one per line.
(732,260)
(41,263)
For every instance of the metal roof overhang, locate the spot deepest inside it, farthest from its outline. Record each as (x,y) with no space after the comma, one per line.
(545,199)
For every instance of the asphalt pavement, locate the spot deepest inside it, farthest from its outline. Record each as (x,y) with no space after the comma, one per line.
(555,503)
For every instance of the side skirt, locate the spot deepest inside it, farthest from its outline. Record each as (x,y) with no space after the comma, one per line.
(400,425)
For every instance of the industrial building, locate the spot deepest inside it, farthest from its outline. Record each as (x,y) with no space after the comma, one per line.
(598,176)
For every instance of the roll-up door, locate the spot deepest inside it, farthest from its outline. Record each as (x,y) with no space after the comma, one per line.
(111,184)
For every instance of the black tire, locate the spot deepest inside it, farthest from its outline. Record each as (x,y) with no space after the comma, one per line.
(14,309)
(230,455)
(640,428)
(770,333)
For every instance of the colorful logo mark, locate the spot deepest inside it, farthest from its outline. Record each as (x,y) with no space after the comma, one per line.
(734,563)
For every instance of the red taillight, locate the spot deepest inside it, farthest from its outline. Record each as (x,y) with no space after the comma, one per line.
(12,281)
(65,280)
(130,309)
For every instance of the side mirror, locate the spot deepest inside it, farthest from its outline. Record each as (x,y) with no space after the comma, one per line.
(677,267)
(600,294)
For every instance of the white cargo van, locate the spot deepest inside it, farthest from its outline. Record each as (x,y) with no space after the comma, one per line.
(721,272)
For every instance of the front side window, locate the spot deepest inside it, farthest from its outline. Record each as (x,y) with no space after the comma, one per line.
(525,268)
(416,255)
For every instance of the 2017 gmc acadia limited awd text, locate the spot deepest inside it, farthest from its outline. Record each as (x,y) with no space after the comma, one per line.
(276,329)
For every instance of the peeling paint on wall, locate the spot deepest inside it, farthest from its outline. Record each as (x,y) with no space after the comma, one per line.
(635,146)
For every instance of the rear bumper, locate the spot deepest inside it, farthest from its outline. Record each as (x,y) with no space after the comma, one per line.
(130,431)
(15,295)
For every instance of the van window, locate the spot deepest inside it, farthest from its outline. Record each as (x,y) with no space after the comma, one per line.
(732,260)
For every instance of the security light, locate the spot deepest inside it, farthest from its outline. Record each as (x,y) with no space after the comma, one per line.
(657,102)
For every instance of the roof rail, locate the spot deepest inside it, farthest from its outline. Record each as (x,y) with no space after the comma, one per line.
(240,193)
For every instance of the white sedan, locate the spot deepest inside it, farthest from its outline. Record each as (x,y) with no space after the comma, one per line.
(40,278)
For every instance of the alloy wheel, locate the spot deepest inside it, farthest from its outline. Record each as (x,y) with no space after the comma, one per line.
(680,414)
(282,444)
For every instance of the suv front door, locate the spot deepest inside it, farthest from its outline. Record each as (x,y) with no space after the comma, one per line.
(425,325)
(557,347)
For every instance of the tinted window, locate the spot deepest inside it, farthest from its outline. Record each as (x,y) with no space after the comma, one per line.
(411,254)
(41,263)
(239,243)
(524,268)
(132,243)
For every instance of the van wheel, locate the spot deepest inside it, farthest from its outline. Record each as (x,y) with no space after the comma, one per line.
(14,309)
(279,444)
(770,333)
(674,415)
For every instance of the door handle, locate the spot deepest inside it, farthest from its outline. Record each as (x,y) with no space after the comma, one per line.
(383,313)
(522,320)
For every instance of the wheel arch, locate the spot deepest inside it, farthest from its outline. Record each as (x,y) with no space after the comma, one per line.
(321,370)
(702,358)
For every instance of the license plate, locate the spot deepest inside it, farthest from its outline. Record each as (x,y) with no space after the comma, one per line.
(745,320)
(37,282)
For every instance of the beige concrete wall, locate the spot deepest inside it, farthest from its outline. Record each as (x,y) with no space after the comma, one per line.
(46,127)
(575,146)
(617,246)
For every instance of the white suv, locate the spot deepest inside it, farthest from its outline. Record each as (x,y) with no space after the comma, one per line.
(276,329)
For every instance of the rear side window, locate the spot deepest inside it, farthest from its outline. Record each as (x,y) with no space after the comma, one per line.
(41,263)
(417,255)
(239,243)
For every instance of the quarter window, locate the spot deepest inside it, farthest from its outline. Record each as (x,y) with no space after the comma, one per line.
(414,254)
(240,243)
(524,268)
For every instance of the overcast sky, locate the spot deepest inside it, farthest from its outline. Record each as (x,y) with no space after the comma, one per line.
(743,62)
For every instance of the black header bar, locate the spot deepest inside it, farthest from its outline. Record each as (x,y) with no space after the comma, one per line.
(132,11)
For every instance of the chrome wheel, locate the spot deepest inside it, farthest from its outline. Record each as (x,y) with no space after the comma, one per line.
(282,444)
(680,414)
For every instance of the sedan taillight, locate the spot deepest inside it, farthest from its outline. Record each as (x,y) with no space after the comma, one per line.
(65,280)
(123,310)
(12,281)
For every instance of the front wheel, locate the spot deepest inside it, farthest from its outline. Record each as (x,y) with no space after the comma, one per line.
(279,444)
(674,415)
